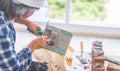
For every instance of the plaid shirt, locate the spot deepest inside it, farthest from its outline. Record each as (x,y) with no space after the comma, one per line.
(9,59)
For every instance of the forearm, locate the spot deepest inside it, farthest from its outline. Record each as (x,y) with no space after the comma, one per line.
(33,27)
(31,47)
(22,21)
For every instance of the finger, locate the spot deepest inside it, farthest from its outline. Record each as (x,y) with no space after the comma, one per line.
(43,44)
(38,28)
(48,42)
(45,37)
(35,32)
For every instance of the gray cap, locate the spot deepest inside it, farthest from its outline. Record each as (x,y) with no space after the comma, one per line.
(33,3)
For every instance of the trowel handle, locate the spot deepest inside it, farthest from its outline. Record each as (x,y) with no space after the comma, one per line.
(38,31)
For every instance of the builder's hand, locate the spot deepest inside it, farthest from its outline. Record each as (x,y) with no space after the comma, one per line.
(33,27)
(39,42)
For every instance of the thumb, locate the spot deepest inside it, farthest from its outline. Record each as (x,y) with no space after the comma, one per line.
(35,32)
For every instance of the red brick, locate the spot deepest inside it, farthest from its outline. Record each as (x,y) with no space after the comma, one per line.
(99,69)
(99,59)
(113,67)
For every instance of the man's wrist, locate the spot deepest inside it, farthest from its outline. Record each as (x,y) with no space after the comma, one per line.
(31,47)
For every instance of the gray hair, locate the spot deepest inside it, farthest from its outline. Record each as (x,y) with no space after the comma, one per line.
(12,8)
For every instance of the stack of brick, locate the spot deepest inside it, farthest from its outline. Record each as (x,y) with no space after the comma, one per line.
(97,57)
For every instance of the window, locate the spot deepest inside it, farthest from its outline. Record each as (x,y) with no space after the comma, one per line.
(86,16)
(88,10)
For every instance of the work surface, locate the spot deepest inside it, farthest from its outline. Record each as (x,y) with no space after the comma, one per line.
(110,46)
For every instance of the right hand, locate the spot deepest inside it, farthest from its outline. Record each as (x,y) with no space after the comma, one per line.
(33,27)
(39,42)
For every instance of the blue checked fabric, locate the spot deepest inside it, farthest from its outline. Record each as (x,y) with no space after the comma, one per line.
(9,59)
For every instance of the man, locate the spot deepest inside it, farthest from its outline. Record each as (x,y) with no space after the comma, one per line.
(17,11)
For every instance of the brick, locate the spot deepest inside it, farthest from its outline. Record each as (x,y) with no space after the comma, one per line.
(99,59)
(113,67)
(99,69)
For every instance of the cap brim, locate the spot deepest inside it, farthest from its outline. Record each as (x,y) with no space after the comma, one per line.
(34,4)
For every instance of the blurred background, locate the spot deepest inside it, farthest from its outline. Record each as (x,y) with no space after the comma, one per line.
(76,11)
(88,20)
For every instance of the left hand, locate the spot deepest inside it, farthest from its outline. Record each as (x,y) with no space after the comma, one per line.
(39,42)
(33,27)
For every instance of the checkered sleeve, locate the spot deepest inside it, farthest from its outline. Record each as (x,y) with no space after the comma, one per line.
(24,58)
(9,59)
